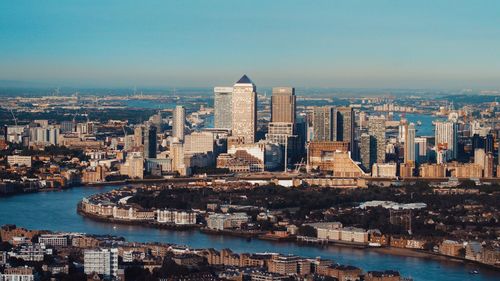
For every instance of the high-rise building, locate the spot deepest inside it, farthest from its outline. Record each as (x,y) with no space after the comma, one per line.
(138,135)
(446,138)
(323,123)
(283,105)
(223,115)
(179,121)
(421,149)
(368,151)
(177,155)
(376,128)
(150,141)
(489,166)
(67,127)
(101,261)
(345,124)
(489,145)
(133,167)
(199,142)
(282,128)
(244,107)
(410,153)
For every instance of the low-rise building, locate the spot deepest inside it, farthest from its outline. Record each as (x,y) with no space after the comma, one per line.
(176,217)
(19,274)
(19,160)
(450,248)
(227,221)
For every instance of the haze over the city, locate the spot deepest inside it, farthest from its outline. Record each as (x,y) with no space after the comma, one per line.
(354,44)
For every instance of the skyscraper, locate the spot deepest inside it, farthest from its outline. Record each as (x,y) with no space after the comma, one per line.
(283,105)
(410,154)
(489,143)
(324,119)
(282,126)
(421,149)
(376,128)
(179,122)
(346,127)
(244,107)
(223,116)
(150,141)
(446,138)
(368,151)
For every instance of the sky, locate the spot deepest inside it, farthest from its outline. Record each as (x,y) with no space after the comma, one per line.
(340,44)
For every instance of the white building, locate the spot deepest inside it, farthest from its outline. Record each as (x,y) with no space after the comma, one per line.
(101,261)
(18,274)
(176,217)
(19,160)
(55,240)
(387,170)
(178,122)
(244,108)
(225,221)
(446,138)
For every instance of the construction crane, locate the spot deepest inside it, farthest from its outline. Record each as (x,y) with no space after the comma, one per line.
(299,165)
(13,116)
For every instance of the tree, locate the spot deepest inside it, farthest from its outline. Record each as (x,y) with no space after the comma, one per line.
(307,230)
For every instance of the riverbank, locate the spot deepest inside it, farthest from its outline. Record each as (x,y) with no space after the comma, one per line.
(56,211)
(261,235)
(136,222)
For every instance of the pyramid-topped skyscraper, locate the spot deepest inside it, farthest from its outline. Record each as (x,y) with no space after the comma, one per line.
(244,110)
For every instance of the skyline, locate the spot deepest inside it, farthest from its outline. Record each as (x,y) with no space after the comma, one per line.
(354,44)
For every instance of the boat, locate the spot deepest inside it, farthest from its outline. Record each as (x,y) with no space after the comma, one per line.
(475,271)
(419,123)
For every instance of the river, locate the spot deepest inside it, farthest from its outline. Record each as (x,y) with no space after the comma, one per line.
(57,211)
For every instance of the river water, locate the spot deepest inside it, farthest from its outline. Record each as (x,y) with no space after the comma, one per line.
(57,211)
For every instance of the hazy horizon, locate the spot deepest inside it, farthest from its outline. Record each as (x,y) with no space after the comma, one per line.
(332,44)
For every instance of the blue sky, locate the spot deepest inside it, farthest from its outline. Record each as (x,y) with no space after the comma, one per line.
(389,44)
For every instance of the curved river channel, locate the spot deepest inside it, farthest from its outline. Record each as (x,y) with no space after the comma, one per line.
(57,211)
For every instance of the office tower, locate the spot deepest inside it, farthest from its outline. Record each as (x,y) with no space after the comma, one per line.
(345,128)
(128,142)
(489,143)
(157,121)
(479,157)
(323,123)
(376,128)
(446,139)
(283,120)
(67,127)
(199,142)
(179,121)
(223,115)
(177,155)
(368,151)
(488,165)
(244,106)
(477,142)
(138,135)
(150,141)
(283,105)
(101,261)
(421,149)
(410,154)
(133,166)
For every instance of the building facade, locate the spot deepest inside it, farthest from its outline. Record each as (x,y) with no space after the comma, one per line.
(223,116)
(244,108)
